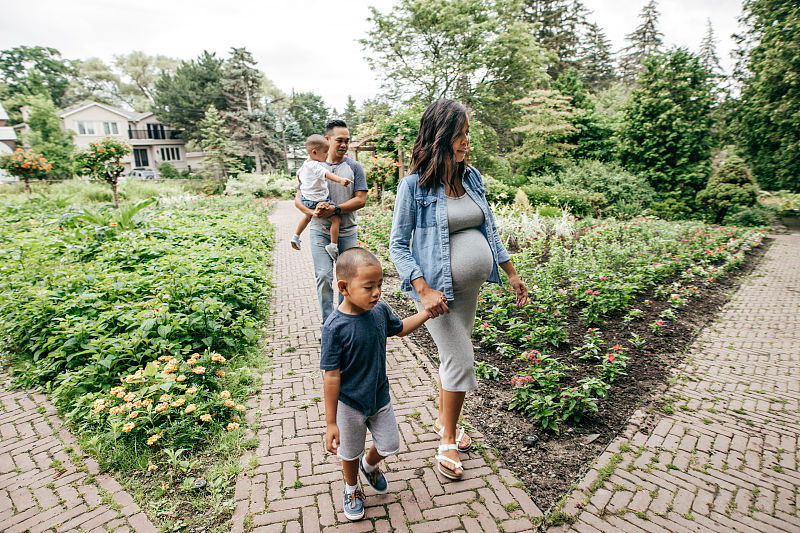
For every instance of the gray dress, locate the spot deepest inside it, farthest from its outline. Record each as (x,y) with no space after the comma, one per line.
(471,264)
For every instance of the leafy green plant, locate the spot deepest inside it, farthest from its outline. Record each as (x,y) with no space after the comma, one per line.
(486,371)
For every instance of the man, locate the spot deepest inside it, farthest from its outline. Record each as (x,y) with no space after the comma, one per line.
(348,200)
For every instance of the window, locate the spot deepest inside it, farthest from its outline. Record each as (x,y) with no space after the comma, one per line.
(140,157)
(85,128)
(155,131)
(171,153)
(110,128)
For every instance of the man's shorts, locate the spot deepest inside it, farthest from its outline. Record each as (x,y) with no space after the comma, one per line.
(312,204)
(353,425)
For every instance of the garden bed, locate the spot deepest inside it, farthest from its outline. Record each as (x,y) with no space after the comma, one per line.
(555,461)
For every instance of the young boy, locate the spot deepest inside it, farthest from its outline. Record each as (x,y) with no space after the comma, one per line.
(314,190)
(353,357)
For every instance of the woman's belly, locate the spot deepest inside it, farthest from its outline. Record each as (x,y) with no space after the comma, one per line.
(470,259)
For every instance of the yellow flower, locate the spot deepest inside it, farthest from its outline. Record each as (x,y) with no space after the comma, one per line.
(205,418)
(229,403)
(127,427)
(220,373)
(178,402)
(133,414)
(116,390)
(241,408)
(152,440)
(191,361)
(199,370)
(151,467)
(160,407)
(129,397)
(99,405)
(147,401)
(235,418)
(225,394)
(217,357)
(191,390)
(164,398)
(190,408)
(182,378)
(232,426)
(115,410)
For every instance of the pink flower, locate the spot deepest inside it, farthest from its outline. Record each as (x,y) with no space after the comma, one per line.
(596,293)
(521,381)
(485,325)
(611,357)
(617,348)
(588,292)
(562,291)
(533,356)
(603,278)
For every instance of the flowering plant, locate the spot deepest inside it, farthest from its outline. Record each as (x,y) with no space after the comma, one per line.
(102,160)
(27,165)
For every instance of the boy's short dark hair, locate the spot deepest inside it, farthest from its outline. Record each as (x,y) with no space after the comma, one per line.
(335,123)
(315,142)
(348,262)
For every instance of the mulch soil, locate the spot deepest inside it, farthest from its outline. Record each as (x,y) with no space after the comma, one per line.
(550,465)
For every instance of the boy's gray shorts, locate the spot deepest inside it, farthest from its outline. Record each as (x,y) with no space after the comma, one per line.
(353,426)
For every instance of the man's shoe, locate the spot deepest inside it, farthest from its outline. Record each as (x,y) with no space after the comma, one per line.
(295,242)
(376,479)
(333,250)
(354,505)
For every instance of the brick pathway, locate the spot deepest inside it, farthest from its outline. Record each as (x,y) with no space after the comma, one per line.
(45,484)
(727,459)
(291,484)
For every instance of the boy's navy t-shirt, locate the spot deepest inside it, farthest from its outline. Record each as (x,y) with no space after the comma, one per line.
(356,345)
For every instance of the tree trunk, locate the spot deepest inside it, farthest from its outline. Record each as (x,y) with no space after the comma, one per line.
(114,190)
(28,188)
(720,215)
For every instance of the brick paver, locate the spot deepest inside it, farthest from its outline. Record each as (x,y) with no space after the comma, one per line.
(290,483)
(727,459)
(45,483)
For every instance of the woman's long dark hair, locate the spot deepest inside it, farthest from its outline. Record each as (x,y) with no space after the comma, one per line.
(433,159)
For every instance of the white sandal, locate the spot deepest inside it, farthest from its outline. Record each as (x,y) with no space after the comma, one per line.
(447,472)
(460,436)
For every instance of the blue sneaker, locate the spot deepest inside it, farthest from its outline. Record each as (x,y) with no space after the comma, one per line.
(354,505)
(376,479)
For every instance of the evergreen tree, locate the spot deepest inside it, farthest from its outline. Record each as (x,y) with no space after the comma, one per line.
(644,41)
(666,134)
(546,128)
(47,138)
(350,113)
(596,68)
(731,186)
(558,29)
(182,98)
(310,112)
(221,158)
(767,119)
(594,136)
(709,59)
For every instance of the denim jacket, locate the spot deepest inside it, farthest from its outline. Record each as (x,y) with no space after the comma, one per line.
(420,240)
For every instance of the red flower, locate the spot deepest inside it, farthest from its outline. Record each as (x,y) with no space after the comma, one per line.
(611,357)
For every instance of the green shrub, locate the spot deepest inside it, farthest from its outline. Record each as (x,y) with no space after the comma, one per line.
(731,186)
(626,194)
(262,186)
(167,171)
(576,202)
(497,191)
(205,187)
(755,216)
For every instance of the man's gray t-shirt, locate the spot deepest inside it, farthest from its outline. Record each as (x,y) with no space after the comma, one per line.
(351,170)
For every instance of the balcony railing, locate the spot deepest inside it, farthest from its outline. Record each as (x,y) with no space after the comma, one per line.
(156,134)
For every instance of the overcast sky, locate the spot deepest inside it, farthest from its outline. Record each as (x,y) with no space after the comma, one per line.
(305,45)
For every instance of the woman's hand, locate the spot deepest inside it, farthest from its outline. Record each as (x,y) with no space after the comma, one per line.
(519,289)
(434,302)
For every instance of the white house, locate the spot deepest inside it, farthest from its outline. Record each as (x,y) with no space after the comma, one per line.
(8,137)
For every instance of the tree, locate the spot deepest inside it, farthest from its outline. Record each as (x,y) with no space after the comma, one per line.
(222,157)
(594,135)
(252,124)
(731,186)
(665,135)
(310,112)
(350,113)
(767,120)
(373,109)
(596,69)
(555,30)
(95,81)
(182,98)
(140,74)
(709,59)
(26,165)
(546,126)
(47,138)
(476,51)
(644,41)
(32,70)
(102,160)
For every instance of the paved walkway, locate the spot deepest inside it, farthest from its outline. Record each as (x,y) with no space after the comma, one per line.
(291,484)
(45,484)
(727,459)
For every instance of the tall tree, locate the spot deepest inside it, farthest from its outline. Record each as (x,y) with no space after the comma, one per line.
(666,134)
(644,41)
(350,113)
(767,120)
(310,112)
(96,81)
(47,138)
(35,70)
(140,72)
(595,59)
(477,51)
(709,59)
(593,137)
(182,98)
(554,31)
(546,128)
(252,124)
(222,157)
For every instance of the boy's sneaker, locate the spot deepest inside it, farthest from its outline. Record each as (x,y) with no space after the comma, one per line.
(376,479)
(354,505)
(295,242)
(333,250)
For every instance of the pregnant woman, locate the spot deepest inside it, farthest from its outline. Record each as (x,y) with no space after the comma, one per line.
(444,245)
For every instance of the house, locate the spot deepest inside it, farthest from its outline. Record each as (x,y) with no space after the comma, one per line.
(151,141)
(8,137)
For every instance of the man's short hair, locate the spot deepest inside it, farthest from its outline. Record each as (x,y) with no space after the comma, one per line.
(315,142)
(335,123)
(348,262)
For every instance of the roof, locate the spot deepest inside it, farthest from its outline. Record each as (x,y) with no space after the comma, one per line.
(7,133)
(130,115)
(3,114)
